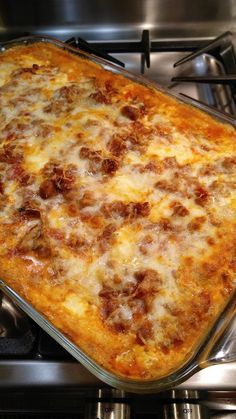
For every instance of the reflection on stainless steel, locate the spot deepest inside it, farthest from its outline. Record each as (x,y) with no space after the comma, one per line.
(107,19)
(13,322)
(224,415)
(51,373)
(41,12)
(216,377)
(15,373)
(214,400)
(222,405)
(221,400)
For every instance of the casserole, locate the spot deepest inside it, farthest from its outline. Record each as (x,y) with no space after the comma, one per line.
(118,201)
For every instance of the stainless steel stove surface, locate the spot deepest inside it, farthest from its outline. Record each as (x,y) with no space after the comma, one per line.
(30,359)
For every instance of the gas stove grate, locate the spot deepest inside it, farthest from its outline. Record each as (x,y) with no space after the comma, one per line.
(220,48)
(224,79)
(85,46)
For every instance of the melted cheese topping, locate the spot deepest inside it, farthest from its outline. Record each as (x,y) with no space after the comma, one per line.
(118,209)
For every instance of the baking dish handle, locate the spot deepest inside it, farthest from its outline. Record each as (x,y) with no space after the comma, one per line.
(221,347)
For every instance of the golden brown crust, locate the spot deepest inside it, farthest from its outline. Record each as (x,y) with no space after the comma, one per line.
(118,210)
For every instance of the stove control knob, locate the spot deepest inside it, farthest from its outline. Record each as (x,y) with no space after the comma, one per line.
(185,411)
(104,410)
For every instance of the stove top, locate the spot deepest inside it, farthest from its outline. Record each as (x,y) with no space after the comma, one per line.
(28,356)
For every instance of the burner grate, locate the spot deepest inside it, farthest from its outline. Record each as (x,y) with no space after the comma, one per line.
(49,349)
(217,47)
(22,346)
(222,79)
(17,332)
(222,49)
(85,46)
(102,50)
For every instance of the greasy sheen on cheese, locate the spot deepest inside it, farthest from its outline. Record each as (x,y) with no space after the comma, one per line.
(117,211)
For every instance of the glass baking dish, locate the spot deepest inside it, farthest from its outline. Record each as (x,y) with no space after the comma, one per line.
(215,347)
